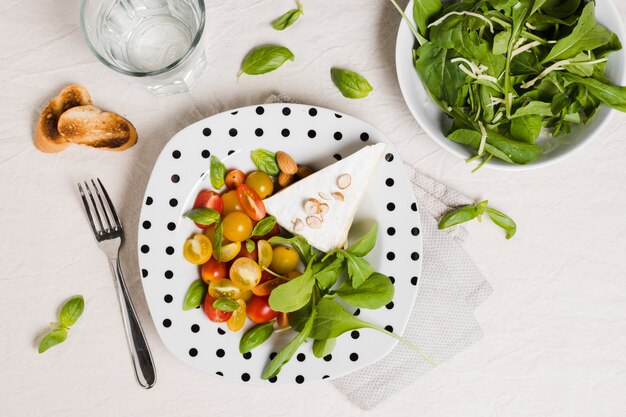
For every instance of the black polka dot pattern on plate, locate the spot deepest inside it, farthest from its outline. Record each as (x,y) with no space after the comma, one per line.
(356,312)
(355,334)
(299,379)
(206,154)
(391,256)
(171,226)
(273,379)
(144,273)
(219,373)
(354,357)
(392,279)
(337,135)
(232,132)
(415,256)
(285,132)
(247,355)
(389,306)
(389,157)
(301,357)
(391,206)
(145,248)
(173,202)
(148,201)
(221,331)
(391,231)
(168,274)
(175,178)
(337,157)
(259,110)
(231,152)
(206,131)
(325,377)
(328,357)
(176,154)
(220,353)
(193,352)
(168,298)
(312,112)
(245,377)
(414,206)
(413,280)
(364,136)
(389,182)
(169,250)
(415,231)
(258,132)
(235,112)
(311,133)
(286,111)
(389,328)
(195,328)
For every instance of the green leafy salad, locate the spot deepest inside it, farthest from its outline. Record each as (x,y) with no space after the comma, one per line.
(508,71)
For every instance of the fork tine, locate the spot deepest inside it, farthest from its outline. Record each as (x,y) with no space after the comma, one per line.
(87,210)
(104,209)
(113,213)
(95,207)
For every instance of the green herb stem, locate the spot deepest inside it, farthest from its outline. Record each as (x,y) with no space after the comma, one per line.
(405,342)
(420,39)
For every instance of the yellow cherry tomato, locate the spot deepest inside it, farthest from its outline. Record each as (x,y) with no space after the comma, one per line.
(228,251)
(237,226)
(261,183)
(238,319)
(224,288)
(231,202)
(284,259)
(198,249)
(245,273)
(265,252)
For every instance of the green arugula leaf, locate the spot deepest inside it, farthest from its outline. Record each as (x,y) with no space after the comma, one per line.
(350,84)
(195,294)
(264,59)
(499,146)
(327,272)
(266,161)
(255,337)
(226,304)
(526,128)
(324,347)
(503,221)
(217,173)
(359,269)
(203,216)
(376,292)
(365,244)
(294,294)
(264,226)
(443,79)
(611,95)
(53,338)
(423,12)
(71,311)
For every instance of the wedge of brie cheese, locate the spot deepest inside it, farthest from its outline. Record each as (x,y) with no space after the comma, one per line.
(321,207)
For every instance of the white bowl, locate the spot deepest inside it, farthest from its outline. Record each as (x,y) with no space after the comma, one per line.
(435,122)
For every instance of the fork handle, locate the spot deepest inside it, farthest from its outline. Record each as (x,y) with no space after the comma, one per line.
(138,346)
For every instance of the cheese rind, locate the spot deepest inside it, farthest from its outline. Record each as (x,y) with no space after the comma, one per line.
(288,205)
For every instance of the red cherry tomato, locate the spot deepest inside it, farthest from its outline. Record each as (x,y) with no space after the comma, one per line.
(208,199)
(243,253)
(259,310)
(215,315)
(214,270)
(250,202)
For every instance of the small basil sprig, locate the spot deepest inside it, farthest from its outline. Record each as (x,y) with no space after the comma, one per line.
(195,294)
(265,59)
(350,84)
(217,173)
(475,211)
(288,18)
(204,216)
(266,161)
(226,304)
(256,336)
(250,245)
(264,226)
(70,312)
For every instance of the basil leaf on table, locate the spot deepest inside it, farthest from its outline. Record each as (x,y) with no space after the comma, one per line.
(264,226)
(285,354)
(376,292)
(350,84)
(294,294)
(264,59)
(288,18)
(299,243)
(71,311)
(365,244)
(226,304)
(255,337)
(324,347)
(217,173)
(195,294)
(53,338)
(457,216)
(503,221)
(204,216)
(266,161)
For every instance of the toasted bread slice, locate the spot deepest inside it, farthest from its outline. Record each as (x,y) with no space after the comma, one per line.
(47,137)
(88,125)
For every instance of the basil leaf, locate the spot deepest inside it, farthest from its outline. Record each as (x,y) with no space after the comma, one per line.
(250,245)
(265,59)
(350,84)
(503,221)
(53,338)
(288,18)
(327,272)
(195,294)
(458,216)
(423,12)
(285,354)
(611,95)
(299,243)
(376,292)
(217,172)
(217,244)
(71,311)
(365,244)
(264,226)
(203,216)
(294,294)
(359,269)
(226,304)
(255,337)
(265,160)
(323,348)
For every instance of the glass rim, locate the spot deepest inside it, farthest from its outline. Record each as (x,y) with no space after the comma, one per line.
(194,43)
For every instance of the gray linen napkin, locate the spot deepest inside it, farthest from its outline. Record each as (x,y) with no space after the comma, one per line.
(450,288)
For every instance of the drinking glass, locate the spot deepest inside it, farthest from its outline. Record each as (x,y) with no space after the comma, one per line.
(156,41)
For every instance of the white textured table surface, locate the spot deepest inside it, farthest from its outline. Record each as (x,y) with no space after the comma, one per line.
(555,327)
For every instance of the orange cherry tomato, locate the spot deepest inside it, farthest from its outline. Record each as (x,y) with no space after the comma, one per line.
(250,202)
(259,310)
(208,199)
(234,177)
(231,202)
(214,270)
(215,315)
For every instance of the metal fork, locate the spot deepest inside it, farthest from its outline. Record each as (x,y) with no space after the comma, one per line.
(110,236)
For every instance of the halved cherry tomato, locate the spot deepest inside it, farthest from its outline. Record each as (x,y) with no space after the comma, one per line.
(234,177)
(245,273)
(264,250)
(259,310)
(224,288)
(267,287)
(228,251)
(215,315)
(208,199)
(213,270)
(231,203)
(238,319)
(250,202)
(198,249)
